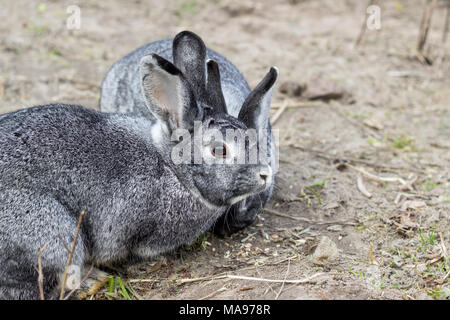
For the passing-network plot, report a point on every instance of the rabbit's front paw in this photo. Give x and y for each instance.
(234, 221)
(96, 280)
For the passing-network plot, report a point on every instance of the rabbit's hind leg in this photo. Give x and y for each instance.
(28, 224)
(18, 276)
(19, 272)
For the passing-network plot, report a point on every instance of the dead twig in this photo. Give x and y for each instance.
(238, 277)
(362, 31)
(402, 195)
(40, 274)
(446, 23)
(184, 281)
(280, 111)
(407, 74)
(280, 214)
(284, 281)
(362, 187)
(145, 280)
(222, 275)
(377, 178)
(446, 276)
(346, 159)
(371, 252)
(305, 280)
(214, 293)
(405, 185)
(298, 104)
(424, 28)
(69, 259)
(64, 243)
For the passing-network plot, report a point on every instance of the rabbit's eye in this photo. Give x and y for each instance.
(219, 151)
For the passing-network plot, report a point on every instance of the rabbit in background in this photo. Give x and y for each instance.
(58, 160)
(121, 93)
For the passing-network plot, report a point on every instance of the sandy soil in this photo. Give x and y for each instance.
(393, 121)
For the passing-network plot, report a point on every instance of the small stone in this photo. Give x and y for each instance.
(236, 9)
(292, 89)
(322, 88)
(326, 252)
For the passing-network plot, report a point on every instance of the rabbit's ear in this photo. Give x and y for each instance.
(167, 93)
(189, 55)
(214, 89)
(255, 110)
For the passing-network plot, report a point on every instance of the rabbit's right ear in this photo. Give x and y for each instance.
(167, 93)
(214, 88)
(189, 54)
(256, 108)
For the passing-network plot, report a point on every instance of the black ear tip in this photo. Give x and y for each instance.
(212, 64)
(152, 59)
(156, 60)
(186, 35)
(270, 78)
(274, 71)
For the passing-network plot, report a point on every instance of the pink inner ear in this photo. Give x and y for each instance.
(161, 93)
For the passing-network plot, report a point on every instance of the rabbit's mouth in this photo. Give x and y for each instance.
(246, 195)
(240, 198)
(264, 184)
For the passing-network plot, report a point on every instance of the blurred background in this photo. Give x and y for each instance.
(363, 84)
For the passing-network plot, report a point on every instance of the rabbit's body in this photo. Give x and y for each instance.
(121, 92)
(58, 160)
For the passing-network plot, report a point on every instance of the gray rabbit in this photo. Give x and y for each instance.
(58, 160)
(122, 93)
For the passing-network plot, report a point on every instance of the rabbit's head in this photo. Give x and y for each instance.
(219, 157)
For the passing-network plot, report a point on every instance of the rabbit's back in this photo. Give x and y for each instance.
(121, 88)
(64, 143)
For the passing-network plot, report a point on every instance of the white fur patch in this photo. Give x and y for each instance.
(159, 133)
(146, 252)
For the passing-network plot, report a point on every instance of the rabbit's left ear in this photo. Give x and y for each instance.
(255, 110)
(189, 55)
(167, 93)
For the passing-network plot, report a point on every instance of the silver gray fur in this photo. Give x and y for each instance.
(57, 160)
(121, 92)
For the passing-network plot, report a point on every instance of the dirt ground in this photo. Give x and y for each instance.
(392, 121)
